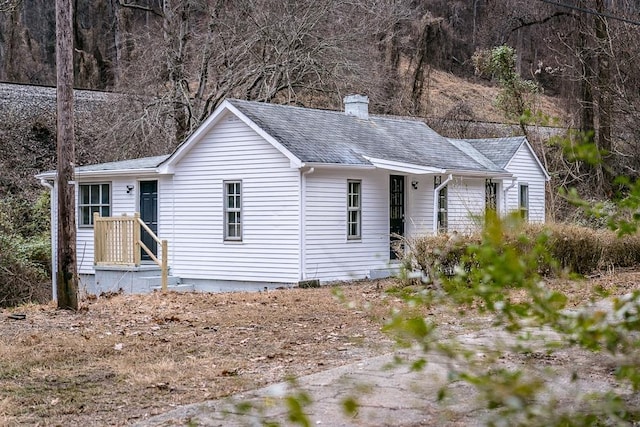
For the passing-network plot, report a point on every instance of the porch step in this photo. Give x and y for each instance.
(382, 273)
(180, 287)
(132, 280)
(149, 283)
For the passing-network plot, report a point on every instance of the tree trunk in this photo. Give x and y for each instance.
(176, 35)
(67, 280)
(587, 116)
(604, 93)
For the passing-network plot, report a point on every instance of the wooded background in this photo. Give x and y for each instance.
(153, 70)
(177, 60)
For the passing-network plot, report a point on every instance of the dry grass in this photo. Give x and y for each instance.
(127, 357)
(446, 92)
(124, 358)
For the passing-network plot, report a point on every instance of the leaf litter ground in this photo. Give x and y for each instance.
(123, 358)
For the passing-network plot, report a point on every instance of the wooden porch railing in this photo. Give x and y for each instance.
(117, 241)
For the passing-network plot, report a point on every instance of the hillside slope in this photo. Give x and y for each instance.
(452, 97)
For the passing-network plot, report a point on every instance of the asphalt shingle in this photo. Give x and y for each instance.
(141, 163)
(499, 150)
(333, 137)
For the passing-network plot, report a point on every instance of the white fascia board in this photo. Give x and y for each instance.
(404, 167)
(526, 143)
(50, 175)
(103, 173)
(168, 165)
(318, 165)
(124, 172)
(479, 174)
(295, 161)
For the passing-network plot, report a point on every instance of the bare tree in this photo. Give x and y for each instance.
(9, 5)
(252, 49)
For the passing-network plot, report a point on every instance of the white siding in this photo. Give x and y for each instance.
(328, 253)
(466, 200)
(121, 203)
(526, 170)
(269, 251)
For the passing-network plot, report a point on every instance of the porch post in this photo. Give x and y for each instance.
(136, 239)
(164, 268)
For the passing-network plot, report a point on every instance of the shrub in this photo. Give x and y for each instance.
(24, 259)
(575, 249)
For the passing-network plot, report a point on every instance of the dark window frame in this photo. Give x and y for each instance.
(491, 189)
(354, 209)
(523, 200)
(89, 202)
(443, 205)
(232, 202)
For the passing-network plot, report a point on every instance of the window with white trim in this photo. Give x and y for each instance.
(93, 198)
(523, 201)
(354, 209)
(233, 210)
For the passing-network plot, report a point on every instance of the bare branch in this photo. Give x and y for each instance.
(123, 3)
(9, 5)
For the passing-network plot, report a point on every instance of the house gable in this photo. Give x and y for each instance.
(265, 245)
(525, 145)
(502, 151)
(223, 112)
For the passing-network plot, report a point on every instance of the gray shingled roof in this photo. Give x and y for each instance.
(499, 150)
(333, 137)
(142, 163)
(322, 136)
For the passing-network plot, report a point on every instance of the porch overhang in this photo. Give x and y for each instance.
(404, 167)
(480, 174)
(138, 173)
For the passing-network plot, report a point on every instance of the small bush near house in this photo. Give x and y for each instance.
(574, 249)
(24, 252)
(499, 273)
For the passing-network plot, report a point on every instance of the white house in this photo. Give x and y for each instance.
(272, 195)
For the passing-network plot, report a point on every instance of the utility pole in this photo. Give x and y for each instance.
(67, 277)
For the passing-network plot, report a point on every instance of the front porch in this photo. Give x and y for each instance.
(119, 243)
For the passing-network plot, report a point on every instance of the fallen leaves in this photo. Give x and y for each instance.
(161, 350)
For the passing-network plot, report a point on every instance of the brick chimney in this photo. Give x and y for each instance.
(357, 105)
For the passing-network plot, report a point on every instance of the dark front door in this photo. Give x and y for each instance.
(149, 214)
(396, 211)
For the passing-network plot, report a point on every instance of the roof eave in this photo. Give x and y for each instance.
(480, 174)
(404, 167)
(52, 175)
(322, 165)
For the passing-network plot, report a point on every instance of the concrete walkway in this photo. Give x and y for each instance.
(388, 395)
(391, 394)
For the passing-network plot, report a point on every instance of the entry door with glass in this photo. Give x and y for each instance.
(149, 214)
(396, 212)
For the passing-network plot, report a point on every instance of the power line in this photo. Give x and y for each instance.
(592, 12)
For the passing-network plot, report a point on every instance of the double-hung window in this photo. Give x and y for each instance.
(93, 198)
(523, 201)
(233, 210)
(354, 209)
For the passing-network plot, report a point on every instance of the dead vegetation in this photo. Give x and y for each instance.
(123, 358)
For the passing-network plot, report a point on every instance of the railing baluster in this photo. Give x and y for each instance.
(117, 241)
